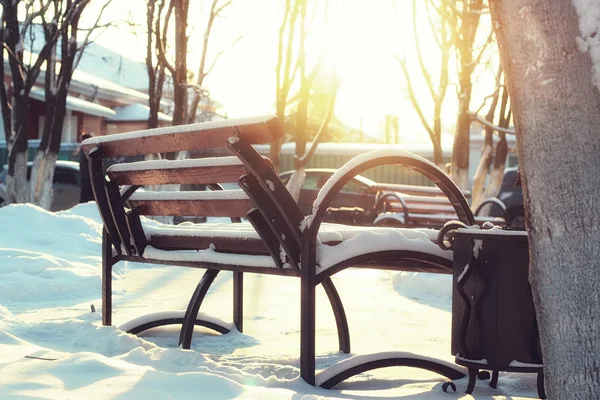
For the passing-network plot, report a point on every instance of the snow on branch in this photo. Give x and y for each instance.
(484, 122)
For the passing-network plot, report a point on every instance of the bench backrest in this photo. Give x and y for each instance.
(263, 198)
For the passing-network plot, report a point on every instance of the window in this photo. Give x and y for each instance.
(66, 177)
(311, 182)
(353, 186)
(69, 131)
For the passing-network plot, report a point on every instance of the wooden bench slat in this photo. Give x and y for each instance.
(422, 208)
(432, 220)
(411, 189)
(443, 218)
(258, 130)
(226, 203)
(426, 200)
(193, 171)
(193, 175)
(196, 208)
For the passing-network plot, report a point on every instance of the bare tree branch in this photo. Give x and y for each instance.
(432, 25)
(222, 7)
(494, 95)
(424, 70)
(484, 47)
(90, 30)
(21, 64)
(415, 102)
(215, 11)
(323, 128)
(482, 121)
(221, 52)
(161, 36)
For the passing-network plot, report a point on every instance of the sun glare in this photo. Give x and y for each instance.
(361, 41)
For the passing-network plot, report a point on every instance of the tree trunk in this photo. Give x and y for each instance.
(43, 171)
(296, 181)
(438, 154)
(460, 150)
(275, 148)
(16, 190)
(16, 180)
(497, 173)
(180, 78)
(477, 193)
(556, 106)
(56, 87)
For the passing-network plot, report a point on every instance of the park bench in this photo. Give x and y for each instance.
(422, 206)
(268, 233)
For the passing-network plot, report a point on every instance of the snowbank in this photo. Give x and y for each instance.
(53, 346)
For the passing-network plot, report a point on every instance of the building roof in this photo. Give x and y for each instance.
(136, 112)
(107, 64)
(75, 104)
(92, 86)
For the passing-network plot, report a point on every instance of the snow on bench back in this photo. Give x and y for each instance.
(254, 130)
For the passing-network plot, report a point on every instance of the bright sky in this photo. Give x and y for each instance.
(364, 39)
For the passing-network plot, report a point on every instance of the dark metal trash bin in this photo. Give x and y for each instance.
(493, 317)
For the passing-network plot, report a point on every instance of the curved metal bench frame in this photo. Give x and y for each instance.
(384, 197)
(406, 361)
(495, 201)
(309, 241)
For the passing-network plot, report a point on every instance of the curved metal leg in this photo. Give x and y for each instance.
(175, 320)
(494, 381)
(472, 377)
(340, 315)
(540, 385)
(187, 330)
(401, 361)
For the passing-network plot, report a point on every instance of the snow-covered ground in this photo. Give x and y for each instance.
(53, 346)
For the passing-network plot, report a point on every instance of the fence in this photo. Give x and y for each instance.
(328, 155)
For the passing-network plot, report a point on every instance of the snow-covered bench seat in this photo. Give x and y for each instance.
(210, 242)
(275, 237)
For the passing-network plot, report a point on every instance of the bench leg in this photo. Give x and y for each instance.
(540, 385)
(307, 329)
(472, 377)
(340, 315)
(107, 263)
(187, 330)
(238, 300)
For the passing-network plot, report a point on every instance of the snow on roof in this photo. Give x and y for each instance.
(105, 63)
(108, 88)
(136, 112)
(75, 104)
(90, 85)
